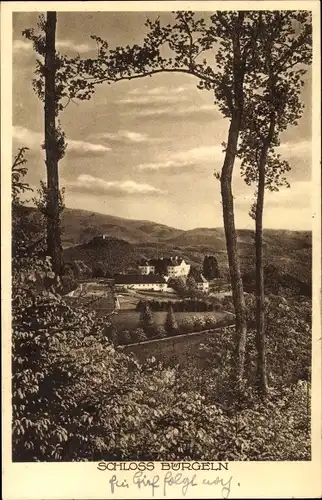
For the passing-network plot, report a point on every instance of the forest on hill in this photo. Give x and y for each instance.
(287, 259)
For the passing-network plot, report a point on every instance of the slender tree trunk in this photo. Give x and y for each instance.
(228, 199)
(52, 209)
(260, 292)
(260, 289)
(231, 244)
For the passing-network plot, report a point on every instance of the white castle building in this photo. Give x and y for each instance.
(170, 267)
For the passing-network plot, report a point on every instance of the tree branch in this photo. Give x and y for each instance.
(188, 32)
(186, 71)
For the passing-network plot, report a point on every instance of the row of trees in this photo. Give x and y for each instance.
(148, 328)
(253, 62)
(185, 305)
(147, 320)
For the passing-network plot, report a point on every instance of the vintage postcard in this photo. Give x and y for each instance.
(161, 250)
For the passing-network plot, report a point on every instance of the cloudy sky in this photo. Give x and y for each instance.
(147, 149)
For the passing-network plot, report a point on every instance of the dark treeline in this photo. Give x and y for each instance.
(186, 305)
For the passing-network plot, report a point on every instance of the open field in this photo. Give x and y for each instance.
(129, 320)
(129, 300)
(100, 297)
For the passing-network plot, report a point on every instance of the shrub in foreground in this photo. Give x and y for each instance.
(138, 335)
(199, 323)
(210, 322)
(186, 326)
(171, 325)
(159, 332)
(147, 322)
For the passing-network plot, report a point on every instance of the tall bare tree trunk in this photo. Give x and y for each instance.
(228, 201)
(260, 291)
(260, 286)
(52, 209)
(231, 244)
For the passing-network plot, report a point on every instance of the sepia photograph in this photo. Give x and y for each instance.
(161, 238)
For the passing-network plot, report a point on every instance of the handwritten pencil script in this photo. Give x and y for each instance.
(154, 484)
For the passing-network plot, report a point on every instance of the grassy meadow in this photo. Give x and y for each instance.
(130, 319)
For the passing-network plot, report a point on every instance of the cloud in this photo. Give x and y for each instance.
(290, 208)
(155, 109)
(125, 136)
(34, 140)
(196, 158)
(26, 45)
(298, 148)
(21, 45)
(174, 166)
(189, 159)
(83, 147)
(97, 186)
(202, 154)
(298, 195)
(27, 137)
(153, 99)
(154, 91)
(134, 136)
(73, 46)
(164, 101)
(167, 102)
(299, 156)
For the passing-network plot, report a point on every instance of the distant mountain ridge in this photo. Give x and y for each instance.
(81, 226)
(289, 252)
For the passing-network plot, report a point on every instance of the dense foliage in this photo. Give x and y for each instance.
(210, 267)
(103, 255)
(171, 325)
(197, 323)
(147, 320)
(280, 282)
(188, 305)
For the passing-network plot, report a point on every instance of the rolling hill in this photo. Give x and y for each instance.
(80, 226)
(289, 252)
(112, 255)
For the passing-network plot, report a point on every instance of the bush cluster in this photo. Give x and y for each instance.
(171, 327)
(288, 337)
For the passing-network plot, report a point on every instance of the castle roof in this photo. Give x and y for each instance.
(165, 261)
